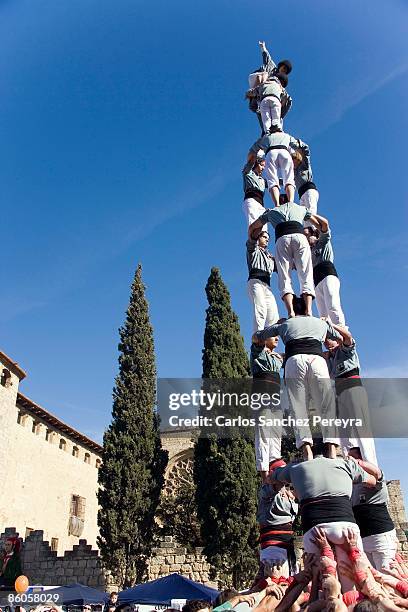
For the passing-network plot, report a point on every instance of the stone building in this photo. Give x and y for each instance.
(49, 469)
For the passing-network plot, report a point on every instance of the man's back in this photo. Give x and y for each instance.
(322, 477)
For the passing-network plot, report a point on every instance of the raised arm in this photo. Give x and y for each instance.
(268, 332)
(345, 334)
(249, 165)
(267, 61)
(256, 225)
(320, 222)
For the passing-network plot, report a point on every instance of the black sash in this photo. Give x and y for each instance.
(255, 195)
(270, 96)
(314, 511)
(274, 147)
(323, 269)
(348, 380)
(261, 275)
(303, 346)
(288, 227)
(269, 377)
(305, 187)
(372, 519)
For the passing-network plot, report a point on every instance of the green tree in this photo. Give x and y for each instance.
(178, 515)
(224, 467)
(132, 473)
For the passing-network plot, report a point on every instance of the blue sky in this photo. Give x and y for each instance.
(123, 130)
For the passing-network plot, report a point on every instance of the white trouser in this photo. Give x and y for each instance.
(352, 403)
(294, 249)
(270, 109)
(381, 549)
(268, 440)
(279, 164)
(328, 299)
(335, 535)
(310, 199)
(252, 211)
(264, 303)
(275, 555)
(307, 377)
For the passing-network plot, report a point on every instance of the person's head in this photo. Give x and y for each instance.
(113, 597)
(125, 607)
(355, 452)
(283, 79)
(297, 157)
(196, 605)
(283, 199)
(272, 343)
(365, 606)
(224, 596)
(263, 239)
(312, 235)
(330, 344)
(285, 67)
(299, 305)
(318, 448)
(272, 568)
(12, 544)
(259, 165)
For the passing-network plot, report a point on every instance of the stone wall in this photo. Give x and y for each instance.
(41, 565)
(83, 564)
(397, 511)
(171, 558)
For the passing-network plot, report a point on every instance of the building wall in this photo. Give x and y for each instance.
(39, 478)
(8, 448)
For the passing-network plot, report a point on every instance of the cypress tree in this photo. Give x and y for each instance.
(224, 467)
(132, 473)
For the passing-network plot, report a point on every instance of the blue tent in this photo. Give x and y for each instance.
(77, 595)
(163, 590)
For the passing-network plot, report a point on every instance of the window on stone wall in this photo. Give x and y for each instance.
(75, 451)
(22, 419)
(98, 463)
(78, 504)
(36, 428)
(87, 458)
(77, 515)
(6, 379)
(63, 444)
(54, 544)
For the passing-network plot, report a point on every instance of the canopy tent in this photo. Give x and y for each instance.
(163, 590)
(78, 595)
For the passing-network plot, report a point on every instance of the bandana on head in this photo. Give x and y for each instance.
(275, 464)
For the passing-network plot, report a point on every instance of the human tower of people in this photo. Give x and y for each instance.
(339, 490)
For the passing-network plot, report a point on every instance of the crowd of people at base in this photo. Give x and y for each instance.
(338, 490)
(318, 585)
